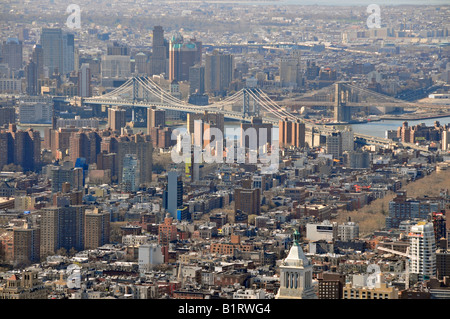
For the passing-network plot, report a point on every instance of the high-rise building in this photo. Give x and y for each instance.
(402, 208)
(31, 74)
(219, 68)
(261, 129)
(290, 72)
(117, 48)
(26, 245)
(445, 140)
(141, 63)
(97, 228)
(214, 119)
(182, 55)
(116, 66)
(62, 227)
(58, 50)
(31, 112)
(130, 173)
(58, 140)
(84, 81)
(84, 144)
(197, 79)
(12, 53)
(7, 115)
(68, 46)
(248, 201)
(61, 175)
(159, 54)
(296, 274)
(21, 148)
(141, 146)
(173, 196)
(422, 250)
(37, 56)
(116, 119)
(291, 133)
(155, 118)
(334, 144)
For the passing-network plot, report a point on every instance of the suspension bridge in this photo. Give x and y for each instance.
(140, 93)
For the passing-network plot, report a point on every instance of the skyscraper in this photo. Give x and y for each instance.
(37, 56)
(159, 55)
(31, 74)
(20, 148)
(197, 79)
(130, 173)
(142, 147)
(12, 53)
(218, 72)
(84, 81)
(174, 193)
(422, 250)
(58, 50)
(182, 55)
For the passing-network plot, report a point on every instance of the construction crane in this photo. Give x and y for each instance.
(407, 255)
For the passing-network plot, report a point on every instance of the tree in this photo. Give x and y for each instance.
(12, 168)
(62, 251)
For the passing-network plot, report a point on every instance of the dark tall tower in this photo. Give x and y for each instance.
(218, 72)
(197, 79)
(51, 41)
(31, 73)
(12, 53)
(182, 55)
(58, 50)
(159, 55)
(38, 57)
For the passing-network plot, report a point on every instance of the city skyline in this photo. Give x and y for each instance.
(239, 152)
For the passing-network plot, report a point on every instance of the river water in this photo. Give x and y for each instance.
(379, 128)
(376, 128)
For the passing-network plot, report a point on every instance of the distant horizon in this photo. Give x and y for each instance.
(325, 2)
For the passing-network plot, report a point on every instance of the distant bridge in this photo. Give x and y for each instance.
(140, 93)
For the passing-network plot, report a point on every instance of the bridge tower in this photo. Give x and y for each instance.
(250, 107)
(138, 114)
(135, 93)
(342, 95)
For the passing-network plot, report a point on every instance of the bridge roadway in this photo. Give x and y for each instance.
(239, 116)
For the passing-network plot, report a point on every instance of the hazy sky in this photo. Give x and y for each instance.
(360, 2)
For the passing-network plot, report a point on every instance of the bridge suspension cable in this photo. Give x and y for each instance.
(269, 100)
(162, 94)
